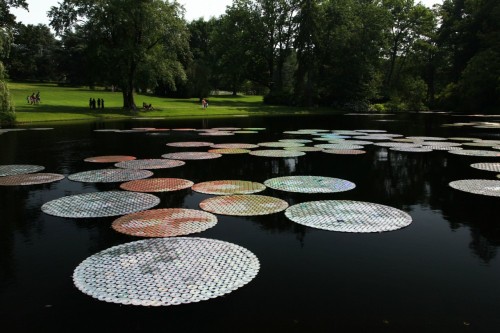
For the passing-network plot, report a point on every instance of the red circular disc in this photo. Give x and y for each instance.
(109, 159)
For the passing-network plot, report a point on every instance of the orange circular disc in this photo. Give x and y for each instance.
(167, 222)
(157, 185)
(109, 159)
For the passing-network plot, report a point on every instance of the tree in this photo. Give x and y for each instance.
(130, 43)
(7, 20)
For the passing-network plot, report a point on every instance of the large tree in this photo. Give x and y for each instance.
(131, 43)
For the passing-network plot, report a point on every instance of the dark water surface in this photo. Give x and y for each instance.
(440, 274)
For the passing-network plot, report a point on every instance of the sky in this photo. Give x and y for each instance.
(194, 9)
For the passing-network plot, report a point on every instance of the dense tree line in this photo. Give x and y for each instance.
(352, 54)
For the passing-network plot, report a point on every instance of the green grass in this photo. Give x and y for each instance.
(72, 103)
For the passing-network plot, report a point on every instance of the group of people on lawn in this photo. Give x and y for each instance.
(100, 103)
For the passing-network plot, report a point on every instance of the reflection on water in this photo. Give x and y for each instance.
(434, 275)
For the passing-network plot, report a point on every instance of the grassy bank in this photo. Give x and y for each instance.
(70, 103)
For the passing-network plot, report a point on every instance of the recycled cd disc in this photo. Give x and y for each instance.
(338, 146)
(254, 129)
(370, 131)
(479, 144)
(373, 137)
(100, 204)
(427, 138)
(243, 205)
(442, 147)
(109, 175)
(277, 153)
(329, 139)
(478, 186)
(166, 271)
(30, 179)
(245, 132)
(229, 151)
(304, 149)
(332, 136)
(190, 144)
(167, 222)
(479, 153)
(495, 167)
(348, 216)
(280, 144)
(183, 129)
(344, 151)
(397, 145)
(296, 132)
(148, 164)
(462, 139)
(109, 159)
(226, 128)
(345, 132)
(412, 149)
(313, 130)
(358, 142)
(228, 187)
(157, 185)
(440, 143)
(19, 169)
(309, 184)
(296, 140)
(191, 156)
(219, 133)
(234, 146)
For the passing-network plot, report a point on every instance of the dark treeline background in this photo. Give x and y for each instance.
(359, 55)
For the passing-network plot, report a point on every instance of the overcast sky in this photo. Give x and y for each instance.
(194, 9)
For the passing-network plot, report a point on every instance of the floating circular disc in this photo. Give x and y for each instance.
(495, 167)
(228, 187)
(332, 137)
(226, 129)
(330, 140)
(339, 146)
(397, 145)
(109, 175)
(478, 186)
(478, 144)
(19, 169)
(370, 131)
(147, 164)
(280, 144)
(168, 222)
(253, 129)
(229, 151)
(30, 179)
(479, 153)
(344, 151)
(234, 146)
(426, 138)
(190, 144)
(304, 149)
(191, 156)
(245, 132)
(461, 139)
(41, 128)
(157, 185)
(243, 205)
(442, 147)
(309, 184)
(296, 132)
(109, 159)
(105, 130)
(346, 132)
(100, 204)
(277, 153)
(166, 271)
(183, 129)
(296, 140)
(348, 216)
(358, 142)
(440, 144)
(412, 149)
(217, 133)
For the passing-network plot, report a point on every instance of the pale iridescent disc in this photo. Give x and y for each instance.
(443, 147)
(30, 179)
(348, 216)
(19, 169)
(304, 149)
(462, 139)
(339, 146)
(109, 175)
(229, 151)
(167, 222)
(478, 153)
(280, 144)
(190, 144)
(358, 142)
(495, 167)
(478, 186)
(277, 153)
(370, 131)
(166, 271)
(234, 146)
(440, 144)
(478, 144)
(228, 187)
(109, 159)
(254, 129)
(344, 151)
(243, 205)
(217, 133)
(226, 129)
(397, 145)
(309, 184)
(157, 185)
(148, 164)
(296, 140)
(245, 132)
(100, 204)
(427, 138)
(191, 156)
(412, 149)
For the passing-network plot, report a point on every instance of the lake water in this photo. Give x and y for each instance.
(439, 274)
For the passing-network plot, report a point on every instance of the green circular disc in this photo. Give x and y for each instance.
(228, 187)
(277, 153)
(309, 184)
(243, 205)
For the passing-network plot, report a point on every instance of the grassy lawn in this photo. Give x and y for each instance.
(72, 103)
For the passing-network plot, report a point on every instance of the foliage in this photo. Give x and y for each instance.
(129, 43)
